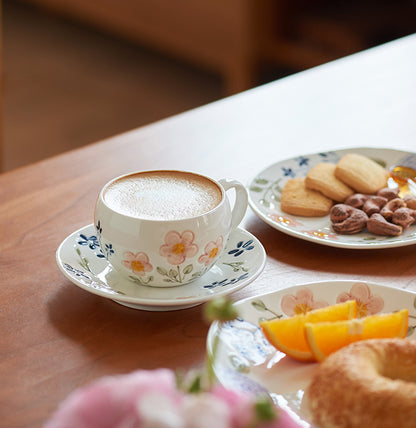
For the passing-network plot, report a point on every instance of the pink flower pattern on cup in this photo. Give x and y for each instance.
(367, 303)
(301, 302)
(211, 251)
(138, 263)
(178, 247)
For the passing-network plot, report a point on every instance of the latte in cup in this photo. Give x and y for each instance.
(163, 195)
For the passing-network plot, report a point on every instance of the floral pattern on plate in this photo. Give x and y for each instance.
(245, 358)
(303, 300)
(82, 261)
(266, 187)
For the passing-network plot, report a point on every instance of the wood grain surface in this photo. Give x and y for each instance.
(55, 337)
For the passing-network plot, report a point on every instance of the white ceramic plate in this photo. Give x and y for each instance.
(264, 198)
(246, 361)
(81, 260)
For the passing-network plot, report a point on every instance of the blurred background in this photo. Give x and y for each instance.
(77, 71)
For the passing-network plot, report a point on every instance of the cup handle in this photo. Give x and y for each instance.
(241, 200)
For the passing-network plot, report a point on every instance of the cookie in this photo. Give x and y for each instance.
(322, 178)
(361, 173)
(298, 200)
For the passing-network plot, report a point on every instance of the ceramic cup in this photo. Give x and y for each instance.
(166, 228)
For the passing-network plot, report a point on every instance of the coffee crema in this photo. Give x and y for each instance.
(162, 195)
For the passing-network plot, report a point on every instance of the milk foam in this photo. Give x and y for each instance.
(162, 195)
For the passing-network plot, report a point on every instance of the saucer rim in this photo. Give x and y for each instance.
(159, 304)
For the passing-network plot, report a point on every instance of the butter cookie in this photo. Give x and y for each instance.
(297, 199)
(322, 178)
(361, 173)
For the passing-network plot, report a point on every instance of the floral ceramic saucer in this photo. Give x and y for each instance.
(246, 361)
(81, 260)
(266, 187)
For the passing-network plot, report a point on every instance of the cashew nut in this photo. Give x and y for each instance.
(388, 193)
(378, 225)
(391, 206)
(404, 217)
(357, 200)
(347, 219)
(374, 204)
(410, 201)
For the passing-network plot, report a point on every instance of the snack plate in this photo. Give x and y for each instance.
(246, 361)
(81, 260)
(264, 198)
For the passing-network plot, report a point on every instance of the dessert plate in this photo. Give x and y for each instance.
(264, 198)
(247, 362)
(81, 260)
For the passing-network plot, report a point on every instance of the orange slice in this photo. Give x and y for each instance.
(288, 334)
(324, 338)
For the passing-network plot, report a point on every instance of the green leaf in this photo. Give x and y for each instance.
(259, 305)
(265, 410)
(135, 279)
(220, 309)
(195, 385)
(188, 269)
(256, 189)
(262, 181)
(161, 270)
(173, 274)
(147, 281)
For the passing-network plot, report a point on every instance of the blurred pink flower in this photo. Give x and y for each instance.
(138, 263)
(367, 304)
(111, 402)
(178, 247)
(301, 302)
(212, 250)
(151, 399)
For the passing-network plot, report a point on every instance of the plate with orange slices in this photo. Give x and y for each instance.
(277, 341)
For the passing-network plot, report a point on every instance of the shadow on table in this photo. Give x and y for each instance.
(116, 336)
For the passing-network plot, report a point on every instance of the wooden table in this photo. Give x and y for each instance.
(55, 337)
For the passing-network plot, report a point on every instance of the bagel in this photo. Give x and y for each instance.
(370, 383)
